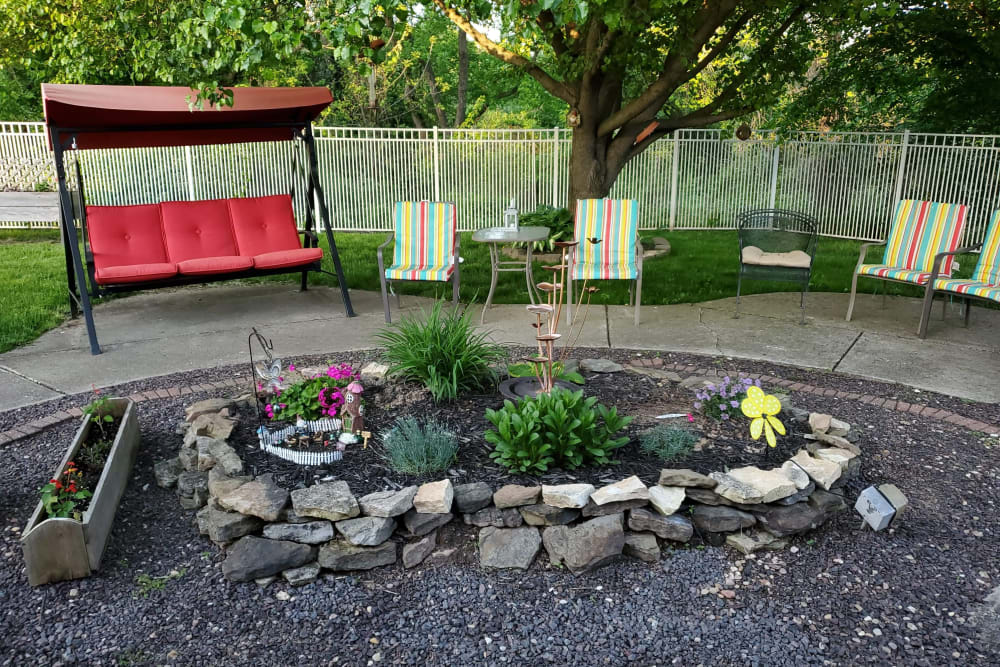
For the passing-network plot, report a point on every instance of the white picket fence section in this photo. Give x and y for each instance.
(696, 179)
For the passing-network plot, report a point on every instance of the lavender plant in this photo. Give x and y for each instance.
(722, 401)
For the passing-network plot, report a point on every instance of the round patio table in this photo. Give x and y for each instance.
(497, 237)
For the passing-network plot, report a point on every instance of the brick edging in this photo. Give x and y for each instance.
(33, 427)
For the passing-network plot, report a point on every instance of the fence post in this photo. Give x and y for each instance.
(675, 159)
(437, 167)
(900, 172)
(774, 175)
(555, 167)
(190, 172)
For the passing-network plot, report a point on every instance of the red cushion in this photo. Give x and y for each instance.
(124, 235)
(204, 266)
(195, 229)
(283, 258)
(264, 224)
(133, 273)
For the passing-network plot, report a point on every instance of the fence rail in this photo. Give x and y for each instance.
(697, 179)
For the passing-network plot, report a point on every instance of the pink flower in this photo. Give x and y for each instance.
(291, 367)
(355, 388)
(690, 418)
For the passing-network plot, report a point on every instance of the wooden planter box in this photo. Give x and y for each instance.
(58, 549)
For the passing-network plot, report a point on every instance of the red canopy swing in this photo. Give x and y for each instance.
(147, 246)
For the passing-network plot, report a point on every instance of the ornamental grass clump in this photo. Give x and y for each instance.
(668, 443)
(441, 350)
(722, 401)
(413, 448)
(556, 429)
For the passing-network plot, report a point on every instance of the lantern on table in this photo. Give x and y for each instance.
(510, 217)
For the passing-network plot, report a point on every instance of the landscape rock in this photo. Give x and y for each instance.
(828, 503)
(586, 546)
(720, 519)
(750, 485)
(630, 488)
(373, 372)
(223, 527)
(498, 518)
(213, 452)
(414, 553)
(166, 472)
(254, 557)
(508, 547)
(472, 497)
(642, 546)
(841, 457)
(303, 575)
(800, 495)
(666, 499)
(313, 532)
(329, 500)
(209, 405)
(823, 472)
(261, 498)
(546, 515)
(192, 488)
(212, 425)
(838, 427)
(188, 458)
(674, 527)
(687, 478)
(798, 476)
(819, 422)
(366, 531)
(388, 503)
(341, 556)
(434, 497)
(600, 366)
(219, 483)
(835, 441)
(513, 495)
(419, 523)
(785, 520)
(747, 544)
(592, 509)
(798, 415)
(567, 495)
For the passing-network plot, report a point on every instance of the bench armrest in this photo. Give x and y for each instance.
(310, 235)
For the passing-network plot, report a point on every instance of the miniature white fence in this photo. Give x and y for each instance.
(697, 179)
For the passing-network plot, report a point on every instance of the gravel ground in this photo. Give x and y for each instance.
(839, 596)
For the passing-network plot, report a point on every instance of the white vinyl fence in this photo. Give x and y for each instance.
(696, 179)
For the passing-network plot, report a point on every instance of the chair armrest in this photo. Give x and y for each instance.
(638, 252)
(864, 251)
(381, 264)
(939, 258)
(310, 234)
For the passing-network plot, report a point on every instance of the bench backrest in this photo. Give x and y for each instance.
(196, 229)
(922, 229)
(988, 268)
(123, 235)
(264, 224)
(615, 224)
(425, 234)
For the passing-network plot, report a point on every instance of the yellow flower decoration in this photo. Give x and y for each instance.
(762, 408)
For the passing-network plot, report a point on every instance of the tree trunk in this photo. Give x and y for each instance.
(589, 177)
(463, 78)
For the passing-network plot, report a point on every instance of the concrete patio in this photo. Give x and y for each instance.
(171, 331)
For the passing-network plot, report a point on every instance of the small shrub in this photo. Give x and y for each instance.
(442, 351)
(527, 370)
(668, 443)
(558, 220)
(561, 428)
(722, 401)
(414, 449)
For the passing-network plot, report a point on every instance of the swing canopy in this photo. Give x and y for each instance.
(149, 116)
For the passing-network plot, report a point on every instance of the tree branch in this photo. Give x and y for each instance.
(547, 81)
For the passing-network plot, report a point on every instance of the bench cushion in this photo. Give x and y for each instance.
(196, 229)
(284, 258)
(133, 273)
(794, 259)
(205, 266)
(264, 224)
(125, 235)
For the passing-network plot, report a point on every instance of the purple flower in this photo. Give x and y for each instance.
(726, 379)
(723, 407)
(697, 405)
(735, 404)
(701, 396)
(756, 383)
(724, 416)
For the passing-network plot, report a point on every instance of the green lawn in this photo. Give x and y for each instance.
(701, 266)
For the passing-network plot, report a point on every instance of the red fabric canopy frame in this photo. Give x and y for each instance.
(146, 116)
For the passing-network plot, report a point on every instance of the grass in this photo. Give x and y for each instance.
(701, 266)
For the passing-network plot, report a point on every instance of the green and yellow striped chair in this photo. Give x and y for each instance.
(426, 247)
(608, 248)
(984, 283)
(921, 230)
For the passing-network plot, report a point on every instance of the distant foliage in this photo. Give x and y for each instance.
(668, 443)
(415, 449)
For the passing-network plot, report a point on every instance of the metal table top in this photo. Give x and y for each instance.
(503, 235)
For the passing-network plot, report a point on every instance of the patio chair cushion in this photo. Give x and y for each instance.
(894, 273)
(124, 236)
(197, 229)
(614, 224)
(970, 287)
(921, 230)
(134, 273)
(988, 267)
(285, 258)
(794, 259)
(205, 266)
(264, 224)
(425, 241)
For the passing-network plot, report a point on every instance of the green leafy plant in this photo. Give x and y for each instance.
(561, 428)
(315, 397)
(668, 442)
(146, 584)
(415, 449)
(525, 369)
(558, 220)
(441, 350)
(99, 411)
(63, 496)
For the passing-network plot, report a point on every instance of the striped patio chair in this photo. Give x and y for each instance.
(984, 283)
(608, 248)
(920, 231)
(426, 247)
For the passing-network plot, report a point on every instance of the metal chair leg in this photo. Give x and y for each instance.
(854, 294)
(968, 311)
(638, 297)
(802, 304)
(305, 282)
(925, 312)
(739, 285)
(944, 308)
(385, 299)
